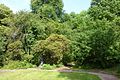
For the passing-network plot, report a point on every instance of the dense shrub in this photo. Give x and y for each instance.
(51, 50)
(59, 65)
(18, 65)
(48, 66)
(15, 51)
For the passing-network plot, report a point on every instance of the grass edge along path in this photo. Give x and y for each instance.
(37, 74)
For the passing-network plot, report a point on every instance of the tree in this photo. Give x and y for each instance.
(105, 38)
(102, 43)
(15, 51)
(47, 8)
(5, 34)
(5, 15)
(5, 30)
(108, 9)
(51, 49)
(23, 30)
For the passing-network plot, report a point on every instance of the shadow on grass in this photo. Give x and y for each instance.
(77, 76)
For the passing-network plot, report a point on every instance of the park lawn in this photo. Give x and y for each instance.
(45, 75)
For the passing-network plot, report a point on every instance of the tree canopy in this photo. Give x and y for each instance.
(48, 34)
(47, 8)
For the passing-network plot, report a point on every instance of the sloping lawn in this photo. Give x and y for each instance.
(45, 75)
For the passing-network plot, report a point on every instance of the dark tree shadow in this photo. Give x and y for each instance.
(77, 76)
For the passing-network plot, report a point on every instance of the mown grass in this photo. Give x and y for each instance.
(45, 75)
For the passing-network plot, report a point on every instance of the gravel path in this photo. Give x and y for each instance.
(103, 76)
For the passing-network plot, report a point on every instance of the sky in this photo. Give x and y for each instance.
(69, 5)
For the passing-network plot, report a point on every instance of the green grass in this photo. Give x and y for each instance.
(45, 75)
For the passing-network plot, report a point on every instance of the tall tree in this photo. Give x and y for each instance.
(5, 30)
(108, 9)
(47, 8)
(105, 16)
(5, 15)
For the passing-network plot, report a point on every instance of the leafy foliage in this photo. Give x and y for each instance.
(101, 9)
(48, 66)
(51, 49)
(15, 51)
(47, 34)
(18, 65)
(45, 8)
(5, 15)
